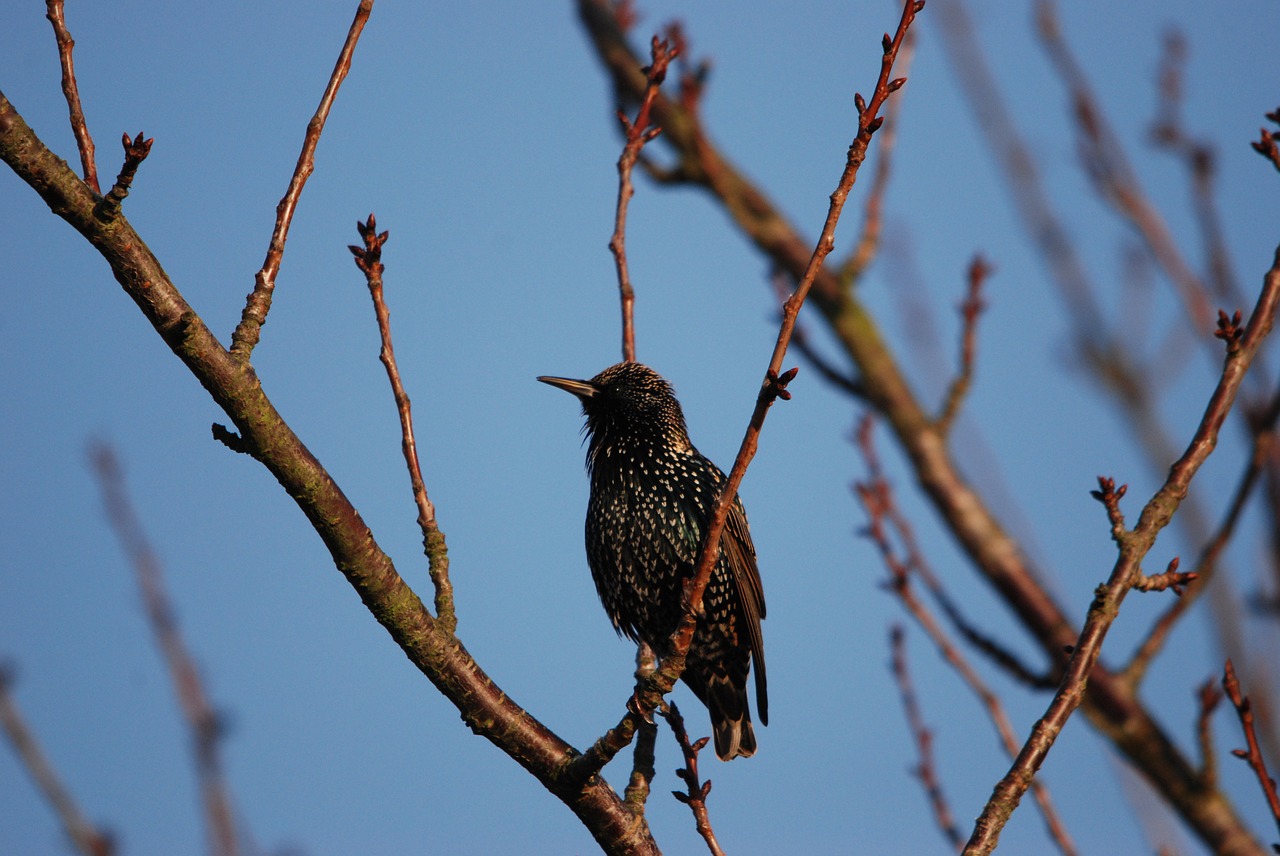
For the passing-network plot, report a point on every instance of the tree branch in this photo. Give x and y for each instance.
(1112, 705)
(369, 260)
(234, 386)
(1242, 346)
(1253, 755)
(249, 330)
(696, 791)
(924, 770)
(84, 836)
(71, 91)
(637, 133)
(203, 721)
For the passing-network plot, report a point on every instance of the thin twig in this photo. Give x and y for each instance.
(202, 718)
(1108, 167)
(369, 260)
(648, 695)
(84, 836)
(71, 90)
(1242, 346)
(1253, 756)
(970, 309)
(1172, 578)
(1198, 156)
(782, 287)
(249, 330)
(1265, 145)
(775, 380)
(924, 770)
(877, 499)
(1210, 697)
(868, 243)
(135, 152)
(637, 133)
(695, 795)
(883, 514)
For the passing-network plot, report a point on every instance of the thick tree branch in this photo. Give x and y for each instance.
(234, 386)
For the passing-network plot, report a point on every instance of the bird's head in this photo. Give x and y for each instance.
(628, 403)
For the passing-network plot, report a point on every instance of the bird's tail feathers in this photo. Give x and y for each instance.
(730, 717)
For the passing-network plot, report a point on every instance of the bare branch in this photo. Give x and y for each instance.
(883, 514)
(970, 309)
(249, 330)
(637, 133)
(235, 387)
(775, 381)
(203, 721)
(71, 91)
(1133, 547)
(868, 243)
(648, 695)
(1210, 697)
(1253, 756)
(1266, 142)
(369, 260)
(135, 152)
(924, 770)
(1107, 166)
(695, 797)
(84, 836)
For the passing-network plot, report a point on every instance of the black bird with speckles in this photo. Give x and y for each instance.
(651, 498)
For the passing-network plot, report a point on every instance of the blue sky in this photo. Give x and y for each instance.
(481, 135)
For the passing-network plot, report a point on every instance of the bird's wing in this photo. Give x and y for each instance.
(741, 553)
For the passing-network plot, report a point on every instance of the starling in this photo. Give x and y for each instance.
(651, 499)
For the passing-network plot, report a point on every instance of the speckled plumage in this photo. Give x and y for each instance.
(651, 497)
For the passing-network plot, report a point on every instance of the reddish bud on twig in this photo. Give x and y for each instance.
(1266, 144)
(777, 384)
(135, 152)
(1229, 330)
(1108, 491)
(368, 257)
(859, 102)
(1110, 495)
(896, 83)
(1170, 579)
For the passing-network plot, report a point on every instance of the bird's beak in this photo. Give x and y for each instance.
(581, 388)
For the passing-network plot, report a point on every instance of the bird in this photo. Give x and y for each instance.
(652, 495)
